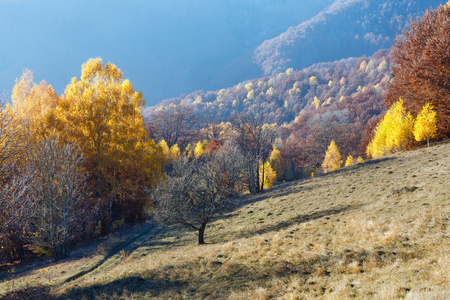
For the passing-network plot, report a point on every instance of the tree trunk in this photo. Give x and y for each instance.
(201, 234)
(262, 177)
(257, 187)
(428, 142)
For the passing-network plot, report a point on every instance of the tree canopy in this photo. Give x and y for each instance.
(421, 69)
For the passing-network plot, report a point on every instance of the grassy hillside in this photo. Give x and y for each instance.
(374, 230)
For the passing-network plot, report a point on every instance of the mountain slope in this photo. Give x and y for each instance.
(376, 230)
(347, 28)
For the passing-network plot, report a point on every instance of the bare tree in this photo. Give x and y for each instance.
(196, 191)
(12, 183)
(174, 124)
(58, 194)
(254, 135)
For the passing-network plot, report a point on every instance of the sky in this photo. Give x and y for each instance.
(165, 47)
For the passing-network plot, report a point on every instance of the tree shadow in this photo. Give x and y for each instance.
(301, 219)
(220, 276)
(124, 287)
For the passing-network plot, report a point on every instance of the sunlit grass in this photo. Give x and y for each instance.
(375, 230)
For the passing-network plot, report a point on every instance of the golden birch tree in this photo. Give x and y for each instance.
(101, 113)
(393, 133)
(425, 125)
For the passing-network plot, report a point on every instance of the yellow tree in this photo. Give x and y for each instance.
(332, 159)
(425, 125)
(393, 133)
(33, 106)
(101, 113)
(277, 162)
(174, 152)
(165, 148)
(267, 175)
(350, 161)
(200, 148)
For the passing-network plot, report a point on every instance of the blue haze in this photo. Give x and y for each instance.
(165, 47)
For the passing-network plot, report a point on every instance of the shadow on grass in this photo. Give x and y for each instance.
(125, 287)
(302, 218)
(35, 293)
(220, 277)
(285, 189)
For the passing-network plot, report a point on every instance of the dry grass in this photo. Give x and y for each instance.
(376, 230)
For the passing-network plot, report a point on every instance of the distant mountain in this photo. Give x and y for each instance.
(347, 28)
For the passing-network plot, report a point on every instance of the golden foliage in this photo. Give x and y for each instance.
(332, 159)
(102, 114)
(267, 175)
(425, 125)
(349, 161)
(313, 80)
(34, 105)
(394, 132)
(199, 149)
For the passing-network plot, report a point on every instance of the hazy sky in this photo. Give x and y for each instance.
(165, 47)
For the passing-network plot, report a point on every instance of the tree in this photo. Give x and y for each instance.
(102, 114)
(57, 192)
(394, 132)
(13, 219)
(425, 125)
(292, 156)
(421, 70)
(270, 176)
(254, 136)
(332, 159)
(200, 189)
(349, 161)
(319, 138)
(33, 106)
(175, 124)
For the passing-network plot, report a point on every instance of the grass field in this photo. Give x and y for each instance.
(376, 230)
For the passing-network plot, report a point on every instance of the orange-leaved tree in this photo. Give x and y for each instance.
(421, 69)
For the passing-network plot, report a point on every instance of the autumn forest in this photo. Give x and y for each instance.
(84, 164)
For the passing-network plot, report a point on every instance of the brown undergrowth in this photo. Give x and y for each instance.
(375, 230)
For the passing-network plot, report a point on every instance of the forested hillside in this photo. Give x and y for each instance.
(346, 28)
(311, 107)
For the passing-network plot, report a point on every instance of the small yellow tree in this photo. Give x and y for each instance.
(359, 160)
(165, 149)
(174, 152)
(332, 159)
(425, 125)
(350, 161)
(200, 148)
(277, 162)
(394, 132)
(267, 175)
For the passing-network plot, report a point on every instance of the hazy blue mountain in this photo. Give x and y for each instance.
(170, 47)
(165, 47)
(347, 28)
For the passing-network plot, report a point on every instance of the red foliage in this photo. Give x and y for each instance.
(421, 70)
